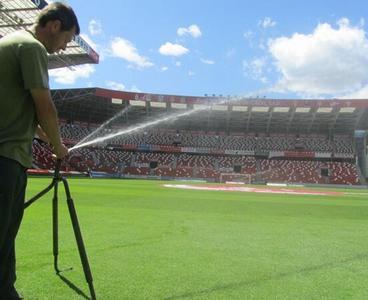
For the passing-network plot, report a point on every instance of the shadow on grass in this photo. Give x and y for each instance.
(143, 242)
(276, 276)
(73, 286)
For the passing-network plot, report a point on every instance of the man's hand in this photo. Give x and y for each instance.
(60, 151)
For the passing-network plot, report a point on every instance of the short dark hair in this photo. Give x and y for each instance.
(61, 12)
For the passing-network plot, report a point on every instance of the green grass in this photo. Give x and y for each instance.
(145, 241)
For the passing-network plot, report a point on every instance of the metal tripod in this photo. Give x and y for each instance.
(73, 216)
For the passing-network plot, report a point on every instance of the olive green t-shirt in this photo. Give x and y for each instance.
(23, 66)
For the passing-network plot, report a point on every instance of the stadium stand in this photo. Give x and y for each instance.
(340, 144)
(200, 166)
(312, 152)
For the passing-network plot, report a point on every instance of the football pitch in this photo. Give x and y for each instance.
(148, 241)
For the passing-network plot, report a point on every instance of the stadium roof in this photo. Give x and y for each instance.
(18, 14)
(95, 105)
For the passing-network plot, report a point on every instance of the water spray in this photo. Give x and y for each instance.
(137, 127)
(95, 132)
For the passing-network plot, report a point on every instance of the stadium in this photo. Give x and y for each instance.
(236, 200)
(242, 140)
(198, 197)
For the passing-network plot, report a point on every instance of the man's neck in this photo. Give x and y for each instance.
(32, 29)
(37, 33)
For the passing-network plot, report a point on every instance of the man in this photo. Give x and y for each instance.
(26, 106)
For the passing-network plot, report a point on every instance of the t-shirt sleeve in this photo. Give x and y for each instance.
(34, 66)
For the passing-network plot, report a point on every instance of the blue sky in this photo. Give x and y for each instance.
(279, 49)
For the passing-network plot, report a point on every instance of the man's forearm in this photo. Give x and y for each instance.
(42, 135)
(47, 115)
(47, 118)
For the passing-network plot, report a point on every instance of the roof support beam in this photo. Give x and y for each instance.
(16, 25)
(269, 119)
(313, 118)
(335, 111)
(208, 123)
(292, 113)
(360, 115)
(249, 116)
(228, 117)
(6, 10)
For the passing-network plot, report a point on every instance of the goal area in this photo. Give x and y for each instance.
(235, 178)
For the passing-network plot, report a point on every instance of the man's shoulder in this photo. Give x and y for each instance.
(22, 37)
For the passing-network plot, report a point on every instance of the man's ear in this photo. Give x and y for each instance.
(55, 26)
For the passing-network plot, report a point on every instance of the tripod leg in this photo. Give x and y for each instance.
(79, 239)
(55, 234)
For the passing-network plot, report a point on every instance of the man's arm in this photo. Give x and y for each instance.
(42, 135)
(48, 120)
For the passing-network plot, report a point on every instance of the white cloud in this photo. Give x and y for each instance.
(71, 75)
(230, 53)
(362, 22)
(267, 22)
(255, 69)
(135, 89)
(118, 86)
(358, 94)
(163, 69)
(192, 30)
(328, 61)
(124, 49)
(191, 73)
(95, 27)
(207, 61)
(178, 63)
(172, 49)
(248, 35)
(262, 44)
(115, 85)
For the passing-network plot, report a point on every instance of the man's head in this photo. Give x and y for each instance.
(56, 26)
